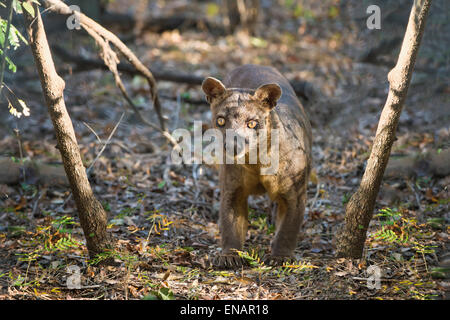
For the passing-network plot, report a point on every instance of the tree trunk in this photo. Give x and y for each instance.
(93, 218)
(241, 13)
(359, 210)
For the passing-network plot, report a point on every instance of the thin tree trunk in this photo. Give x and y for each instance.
(93, 218)
(242, 13)
(359, 210)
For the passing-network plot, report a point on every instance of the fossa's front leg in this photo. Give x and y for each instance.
(233, 220)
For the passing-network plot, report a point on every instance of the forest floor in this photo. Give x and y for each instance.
(163, 217)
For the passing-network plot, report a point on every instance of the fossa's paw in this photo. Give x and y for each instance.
(229, 261)
(276, 261)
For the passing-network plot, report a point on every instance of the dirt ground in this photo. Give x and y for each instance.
(163, 217)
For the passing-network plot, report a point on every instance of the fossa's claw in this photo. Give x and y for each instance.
(228, 261)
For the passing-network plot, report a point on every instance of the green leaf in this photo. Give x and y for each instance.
(165, 294)
(29, 8)
(17, 6)
(161, 184)
(161, 294)
(14, 35)
(150, 296)
(19, 35)
(2, 33)
(11, 66)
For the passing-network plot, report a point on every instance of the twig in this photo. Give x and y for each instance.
(35, 205)
(369, 279)
(88, 170)
(93, 131)
(315, 196)
(416, 195)
(106, 143)
(17, 132)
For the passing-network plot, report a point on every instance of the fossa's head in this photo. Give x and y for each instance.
(241, 115)
(240, 109)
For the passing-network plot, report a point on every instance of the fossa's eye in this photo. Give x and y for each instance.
(252, 124)
(220, 121)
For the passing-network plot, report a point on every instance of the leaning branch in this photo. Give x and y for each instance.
(106, 36)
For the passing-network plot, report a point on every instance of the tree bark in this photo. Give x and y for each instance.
(359, 210)
(93, 218)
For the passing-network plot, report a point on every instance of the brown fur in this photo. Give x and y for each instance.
(246, 96)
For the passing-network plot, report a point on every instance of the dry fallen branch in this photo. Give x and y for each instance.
(161, 24)
(303, 89)
(83, 64)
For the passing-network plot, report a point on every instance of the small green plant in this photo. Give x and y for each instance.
(61, 224)
(188, 273)
(162, 293)
(160, 222)
(261, 223)
(253, 258)
(21, 281)
(399, 230)
(394, 227)
(389, 216)
(106, 206)
(63, 244)
(29, 189)
(294, 268)
(130, 260)
(390, 236)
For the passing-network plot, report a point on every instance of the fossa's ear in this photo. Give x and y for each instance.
(268, 94)
(213, 88)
